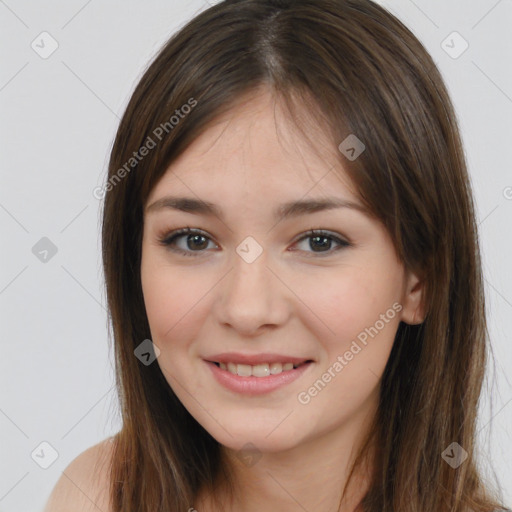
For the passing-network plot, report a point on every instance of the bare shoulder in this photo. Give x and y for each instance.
(84, 483)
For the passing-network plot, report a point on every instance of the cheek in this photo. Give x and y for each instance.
(177, 307)
(350, 300)
(173, 303)
(360, 309)
(362, 312)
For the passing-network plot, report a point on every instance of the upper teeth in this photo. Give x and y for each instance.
(258, 370)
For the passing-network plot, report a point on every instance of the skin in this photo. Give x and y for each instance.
(294, 299)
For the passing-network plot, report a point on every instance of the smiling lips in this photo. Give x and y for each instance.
(255, 374)
(258, 370)
(260, 365)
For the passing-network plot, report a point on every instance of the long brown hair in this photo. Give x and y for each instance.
(358, 70)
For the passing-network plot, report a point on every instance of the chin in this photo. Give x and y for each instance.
(249, 438)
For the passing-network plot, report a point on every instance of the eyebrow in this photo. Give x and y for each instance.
(286, 210)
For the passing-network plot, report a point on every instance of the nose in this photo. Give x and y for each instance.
(251, 299)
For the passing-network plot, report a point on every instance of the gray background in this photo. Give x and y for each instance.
(59, 116)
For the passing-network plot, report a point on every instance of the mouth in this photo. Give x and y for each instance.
(256, 374)
(259, 370)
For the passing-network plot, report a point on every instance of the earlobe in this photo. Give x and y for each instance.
(413, 312)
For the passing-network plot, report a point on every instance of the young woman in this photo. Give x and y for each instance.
(293, 274)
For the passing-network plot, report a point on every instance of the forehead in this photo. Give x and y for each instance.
(255, 149)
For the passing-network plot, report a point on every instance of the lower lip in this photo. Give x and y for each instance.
(256, 385)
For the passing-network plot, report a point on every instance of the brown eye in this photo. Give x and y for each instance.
(196, 242)
(322, 242)
(187, 242)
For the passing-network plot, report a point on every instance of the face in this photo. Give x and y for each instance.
(269, 333)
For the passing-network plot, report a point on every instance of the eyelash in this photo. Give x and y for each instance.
(169, 239)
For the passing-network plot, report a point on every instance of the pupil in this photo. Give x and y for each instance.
(194, 238)
(324, 245)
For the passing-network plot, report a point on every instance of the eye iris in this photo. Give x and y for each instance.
(325, 245)
(195, 239)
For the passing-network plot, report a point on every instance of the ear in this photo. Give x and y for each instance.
(413, 311)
